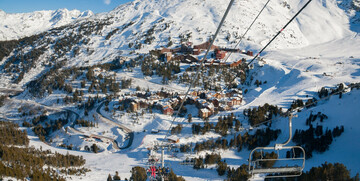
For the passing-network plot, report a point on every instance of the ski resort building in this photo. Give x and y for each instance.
(204, 113)
(168, 110)
(173, 139)
(205, 46)
(219, 54)
(134, 107)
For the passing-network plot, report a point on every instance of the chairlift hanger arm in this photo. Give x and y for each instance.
(279, 146)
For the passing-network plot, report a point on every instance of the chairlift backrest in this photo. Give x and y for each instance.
(284, 171)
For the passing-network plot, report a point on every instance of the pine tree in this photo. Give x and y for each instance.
(138, 174)
(94, 148)
(237, 125)
(173, 177)
(357, 178)
(116, 176)
(198, 163)
(109, 178)
(221, 168)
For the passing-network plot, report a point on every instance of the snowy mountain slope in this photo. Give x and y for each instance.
(18, 25)
(141, 26)
(319, 49)
(340, 112)
(292, 73)
(201, 18)
(352, 9)
(323, 21)
(343, 149)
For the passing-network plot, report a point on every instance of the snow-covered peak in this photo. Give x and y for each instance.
(64, 15)
(18, 25)
(86, 13)
(201, 18)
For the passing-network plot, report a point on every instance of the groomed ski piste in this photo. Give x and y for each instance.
(319, 49)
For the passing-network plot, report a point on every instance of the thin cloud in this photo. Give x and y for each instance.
(107, 2)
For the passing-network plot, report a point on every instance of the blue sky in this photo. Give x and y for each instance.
(23, 6)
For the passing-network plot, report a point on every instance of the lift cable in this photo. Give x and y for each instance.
(280, 31)
(243, 36)
(198, 70)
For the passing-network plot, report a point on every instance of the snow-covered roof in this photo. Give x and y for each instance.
(209, 105)
(205, 110)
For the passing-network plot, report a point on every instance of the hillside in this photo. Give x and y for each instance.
(18, 25)
(104, 87)
(103, 37)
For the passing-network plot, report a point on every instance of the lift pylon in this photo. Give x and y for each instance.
(157, 170)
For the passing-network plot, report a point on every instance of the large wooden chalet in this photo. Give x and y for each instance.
(168, 110)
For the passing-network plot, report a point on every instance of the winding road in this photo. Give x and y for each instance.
(11, 91)
(71, 127)
(124, 128)
(100, 116)
(114, 142)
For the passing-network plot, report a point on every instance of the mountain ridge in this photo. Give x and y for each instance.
(132, 28)
(18, 25)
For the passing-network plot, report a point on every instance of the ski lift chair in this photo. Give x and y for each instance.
(282, 171)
